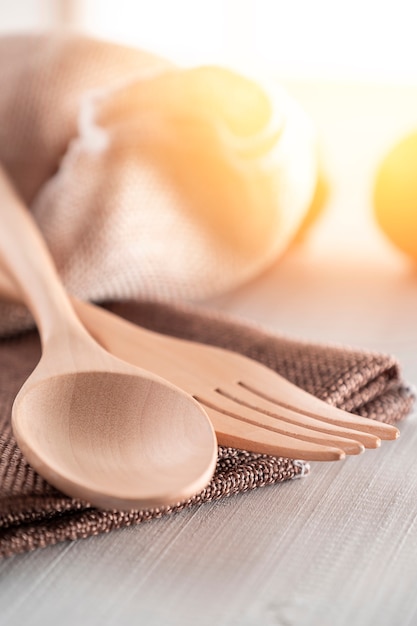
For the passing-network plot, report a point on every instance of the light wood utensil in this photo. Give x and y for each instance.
(94, 426)
(250, 406)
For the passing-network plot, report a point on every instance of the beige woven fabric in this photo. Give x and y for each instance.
(149, 180)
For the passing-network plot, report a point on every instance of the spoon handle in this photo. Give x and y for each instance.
(25, 256)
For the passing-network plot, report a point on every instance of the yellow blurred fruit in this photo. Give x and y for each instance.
(395, 195)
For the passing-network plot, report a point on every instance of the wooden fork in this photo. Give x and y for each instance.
(251, 407)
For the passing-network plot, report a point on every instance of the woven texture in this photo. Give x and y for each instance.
(126, 161)
(33, 514)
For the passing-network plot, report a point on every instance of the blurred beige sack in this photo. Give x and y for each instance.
(147, 180)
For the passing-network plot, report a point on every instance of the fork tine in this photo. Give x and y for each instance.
(265, 383)
(243, 435)
(242, 414)
(242, 396)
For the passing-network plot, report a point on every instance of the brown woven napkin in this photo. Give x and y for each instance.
(33, 514)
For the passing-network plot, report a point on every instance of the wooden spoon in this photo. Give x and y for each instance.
(92, 425)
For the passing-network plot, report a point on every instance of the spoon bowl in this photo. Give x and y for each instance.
(141, 439)
(92, 425)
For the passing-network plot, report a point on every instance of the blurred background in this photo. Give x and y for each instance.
(352, 66)
(360, 40)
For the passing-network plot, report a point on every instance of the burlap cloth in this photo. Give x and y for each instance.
(153, 182)
(149, 180)
(33, 514)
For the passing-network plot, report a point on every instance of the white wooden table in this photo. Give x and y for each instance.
(334, 549)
